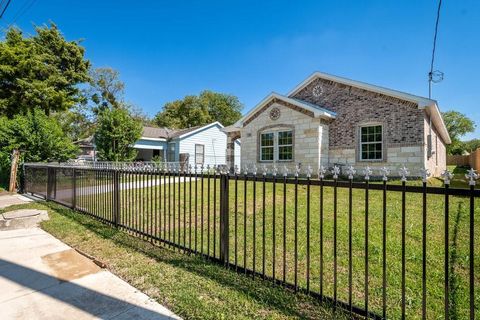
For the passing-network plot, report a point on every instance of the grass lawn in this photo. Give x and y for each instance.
(187, 284)
(143, 209)
(191, 219)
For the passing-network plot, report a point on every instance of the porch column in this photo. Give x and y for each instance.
(230, 152)
(230, 159)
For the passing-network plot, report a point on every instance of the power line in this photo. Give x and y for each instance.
(5, 8)
(26, 6)
(434, 76)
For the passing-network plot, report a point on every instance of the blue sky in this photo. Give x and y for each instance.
(165, 50)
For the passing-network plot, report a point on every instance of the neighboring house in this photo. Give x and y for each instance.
(203, 145)
(328, 120)
(87, 149)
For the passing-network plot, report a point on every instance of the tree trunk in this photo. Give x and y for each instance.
(13, 170)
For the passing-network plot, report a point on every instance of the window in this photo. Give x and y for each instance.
(267, 146)
(285, 145)
(199, 154)
(371, 145)
(276, 146)
(171, 152)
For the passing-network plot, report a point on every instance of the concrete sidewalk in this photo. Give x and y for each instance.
(8, 199)
(43, 278)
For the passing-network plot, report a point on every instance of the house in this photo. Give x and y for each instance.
(329, 120)
(202, 145)
(87, 149)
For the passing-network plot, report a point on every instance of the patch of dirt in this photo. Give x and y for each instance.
(69, 265)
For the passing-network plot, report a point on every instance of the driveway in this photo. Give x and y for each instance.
(43, 278)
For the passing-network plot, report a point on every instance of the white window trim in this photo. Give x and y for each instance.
(276, 145)
(374, 142)
(203, 153)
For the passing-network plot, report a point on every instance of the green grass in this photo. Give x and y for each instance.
(189, 285)
(142, 206)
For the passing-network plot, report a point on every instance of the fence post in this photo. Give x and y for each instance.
(116, 197)
(224, 226)
(74, 188)
(51, 176)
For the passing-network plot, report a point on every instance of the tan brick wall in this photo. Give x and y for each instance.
(403, 121)
(403, 125)
(309, 134)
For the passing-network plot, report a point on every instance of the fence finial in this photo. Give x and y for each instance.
(403, 173)
(424, 173)
(471, 176)
(309, 171)
(285, 170)
(367, 172)
(245, 170)
(236, 169)
(321, 172)
(385, 172)
(254, 169)
(351, 172)
(264, 169)
(335, 172)
(274, 170)
(447, 176)
(297, 169)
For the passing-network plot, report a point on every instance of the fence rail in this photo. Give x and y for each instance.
(378, 250)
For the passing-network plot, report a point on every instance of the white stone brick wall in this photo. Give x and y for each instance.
(309, 133)
(437, 163)
(397, 157)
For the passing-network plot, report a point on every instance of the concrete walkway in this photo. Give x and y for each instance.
(43, 278)
(8, 199)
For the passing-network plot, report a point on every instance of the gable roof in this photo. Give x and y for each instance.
(156, 133)
(421, 101)
(317, 111)
(164, 133)
(430, 105)
(189, 131)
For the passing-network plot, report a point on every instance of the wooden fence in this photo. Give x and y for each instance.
(472, 160)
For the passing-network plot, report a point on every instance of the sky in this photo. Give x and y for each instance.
(165, 50)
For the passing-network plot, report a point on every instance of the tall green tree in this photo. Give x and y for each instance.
(116, 133)
(37, 136)
(457, 125)
(43, 71)
(198, 110)
(106, 89)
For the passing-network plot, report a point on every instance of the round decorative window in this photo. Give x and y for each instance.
(317, 90)
(274, 113)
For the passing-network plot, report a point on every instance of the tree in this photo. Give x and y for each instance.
(37, 136)
(43, 71)
(200, 110)
(457, 125)
(106, 89)
(471, 145)
(115, 134)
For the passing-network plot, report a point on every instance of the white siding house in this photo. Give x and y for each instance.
(206, 145)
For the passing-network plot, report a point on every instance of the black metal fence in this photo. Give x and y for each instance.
(382, 249)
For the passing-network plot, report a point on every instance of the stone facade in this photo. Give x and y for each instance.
(310, 141)
(402, 120)
(405, 130)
